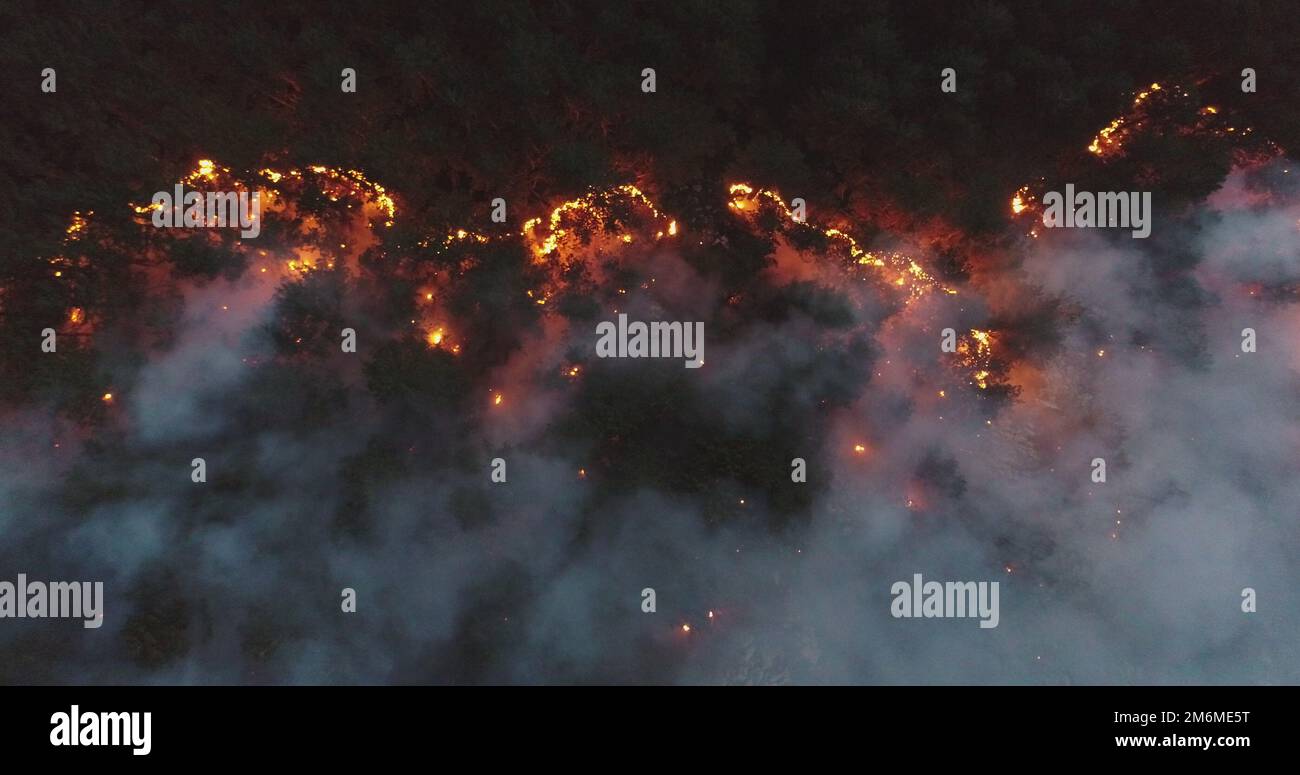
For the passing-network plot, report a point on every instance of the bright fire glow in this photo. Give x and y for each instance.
(899, 270)
(975, 354)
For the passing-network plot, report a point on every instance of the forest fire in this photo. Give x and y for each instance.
(334, 184)
(582, 216)
(568, 232)
(1110, 139)
(1155, 110)
(1021, 201)
(597, 223)
(975, 354)
(899, 270)
(240, 429)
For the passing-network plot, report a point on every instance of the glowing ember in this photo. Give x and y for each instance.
(1106, 139)
(975, 355)
(1021, 201)
(1111, 136)
(78, 225)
